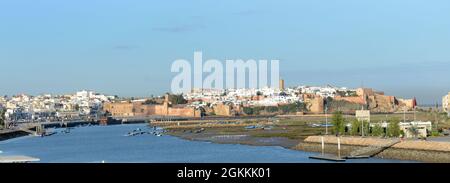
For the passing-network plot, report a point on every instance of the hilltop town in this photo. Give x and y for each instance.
(293, 117)
(266, 101)
(299, 100)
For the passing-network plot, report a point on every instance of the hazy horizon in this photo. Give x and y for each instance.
(126, 48)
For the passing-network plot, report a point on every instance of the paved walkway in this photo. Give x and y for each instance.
(439, 139)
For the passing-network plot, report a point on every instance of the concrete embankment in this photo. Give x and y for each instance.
(424, 151)
(9, 134)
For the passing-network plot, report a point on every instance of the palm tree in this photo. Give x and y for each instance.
(2, 118)
(414, 131)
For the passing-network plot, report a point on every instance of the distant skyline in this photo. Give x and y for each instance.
(127, 47)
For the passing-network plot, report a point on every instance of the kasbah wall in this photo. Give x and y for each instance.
(134, 109)
(376, 101)
(379, 102)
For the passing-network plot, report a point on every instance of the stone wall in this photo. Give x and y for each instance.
(446, 103)
(186, 111)
(381, 103)
(357, 100)
(414, 150)
(133, 109)
(315, 104)
(119, 109)
(223, 110)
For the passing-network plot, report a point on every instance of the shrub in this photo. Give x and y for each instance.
(149, 102)
(377, 130)
(271, 109)
(248, 110)
(2, 118)
(177, 99)
(293, 108)
(435, 133)
(365, 128)
(394, 128)
(356, 125)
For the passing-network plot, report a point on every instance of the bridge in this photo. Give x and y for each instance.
(38, 128)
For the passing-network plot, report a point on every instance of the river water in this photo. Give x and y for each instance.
(109, 144)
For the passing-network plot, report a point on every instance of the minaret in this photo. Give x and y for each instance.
(282, 84)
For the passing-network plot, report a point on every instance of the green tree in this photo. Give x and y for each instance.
(338, 122)
(356, 126)
(300, 106)
(293, 108)
(257, 110)
(248, 110)
(77, 107)
(285, 109)
(365, 127)
(2, 118)
(177, 99)
(414, 131)
(271, 109)
(377, 130)
(149, 102)
(394, 128)
(259, 93)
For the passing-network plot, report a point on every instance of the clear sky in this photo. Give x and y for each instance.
(126, 47)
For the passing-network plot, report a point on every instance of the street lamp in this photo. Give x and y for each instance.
(326, 120)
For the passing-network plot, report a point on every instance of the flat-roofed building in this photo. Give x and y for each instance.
(446, 103)
(416, 128)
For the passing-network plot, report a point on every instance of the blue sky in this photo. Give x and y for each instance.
(123, 47)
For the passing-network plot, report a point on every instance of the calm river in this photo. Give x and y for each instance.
(109, 144)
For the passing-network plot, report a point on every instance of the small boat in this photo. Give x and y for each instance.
(250, 127)
(50, 133)
(67, 130)
(315, 125)
(136, 132)
(327, 125)
(47, 134)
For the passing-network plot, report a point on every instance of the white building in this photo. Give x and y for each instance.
(446, 103)
(416, 128)
(2, 100)
(43, 107)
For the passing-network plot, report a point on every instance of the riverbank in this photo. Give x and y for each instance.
(297, 136)
(95, 144)
(423, 151)
(10, 134)
(222, 137)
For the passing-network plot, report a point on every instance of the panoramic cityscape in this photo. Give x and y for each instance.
(259, 82)
(364, 122)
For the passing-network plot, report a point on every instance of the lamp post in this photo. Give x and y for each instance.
(326, 120)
